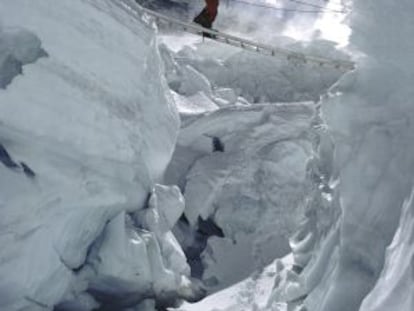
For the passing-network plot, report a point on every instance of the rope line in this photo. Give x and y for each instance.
(271, 7)
(314, 5)
(264, 49)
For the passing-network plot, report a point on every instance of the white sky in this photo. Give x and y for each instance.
(331, 25)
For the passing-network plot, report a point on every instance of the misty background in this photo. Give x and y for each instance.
(269, 21)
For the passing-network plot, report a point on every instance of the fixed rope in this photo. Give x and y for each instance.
(239, 42)
(315, 8)
(314, 5)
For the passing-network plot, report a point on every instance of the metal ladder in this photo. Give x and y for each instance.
(240, 42)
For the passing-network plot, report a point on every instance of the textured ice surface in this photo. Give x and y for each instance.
(264, 79)
(18, 47)
(356, 245)
(369, 115)
(85, 134)
(371, 123)
(83, 142)
(395, 287)
(251, 294)
(260, 178)
(254, 191)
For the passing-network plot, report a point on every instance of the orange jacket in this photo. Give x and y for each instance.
(212, 7)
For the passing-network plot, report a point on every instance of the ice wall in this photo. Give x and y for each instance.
(254, 183)
(85, 134)
(395, 287)
(370, 117)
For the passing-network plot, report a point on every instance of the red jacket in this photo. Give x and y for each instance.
(212, 7)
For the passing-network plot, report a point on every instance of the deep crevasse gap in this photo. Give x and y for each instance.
(355, 214)
(254, 191)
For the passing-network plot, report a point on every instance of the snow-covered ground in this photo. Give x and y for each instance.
(250, 294)
(125, 164)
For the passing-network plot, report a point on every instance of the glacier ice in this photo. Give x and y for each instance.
(261, 177)
(262, 79)
(369, 117)
(255, 191)
(95, 124)
(370, 120)
(87, 133)
(18, 47)
(353, 251)
(394, 289)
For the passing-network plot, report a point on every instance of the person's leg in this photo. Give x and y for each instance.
(212, 8)
(203, 19)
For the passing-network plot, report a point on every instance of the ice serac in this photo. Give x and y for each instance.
(85, 133)
(245, 168)
(260, 78)
(370, 116)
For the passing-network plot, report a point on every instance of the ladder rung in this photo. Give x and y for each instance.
(243, 43)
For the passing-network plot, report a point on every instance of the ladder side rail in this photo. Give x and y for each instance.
(248, 44)
(257, 46)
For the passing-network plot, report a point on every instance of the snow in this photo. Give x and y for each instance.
(355, 245)
(255, 190)
(260, 78)
(85, 135)
(121, 160)
(18, 47)
(170, 203)
(248, 134)
(250, 294)
(394, 289)
(260, 178)
(369, 116)
(370, 119)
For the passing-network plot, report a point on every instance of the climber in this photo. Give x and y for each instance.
(208, 14)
